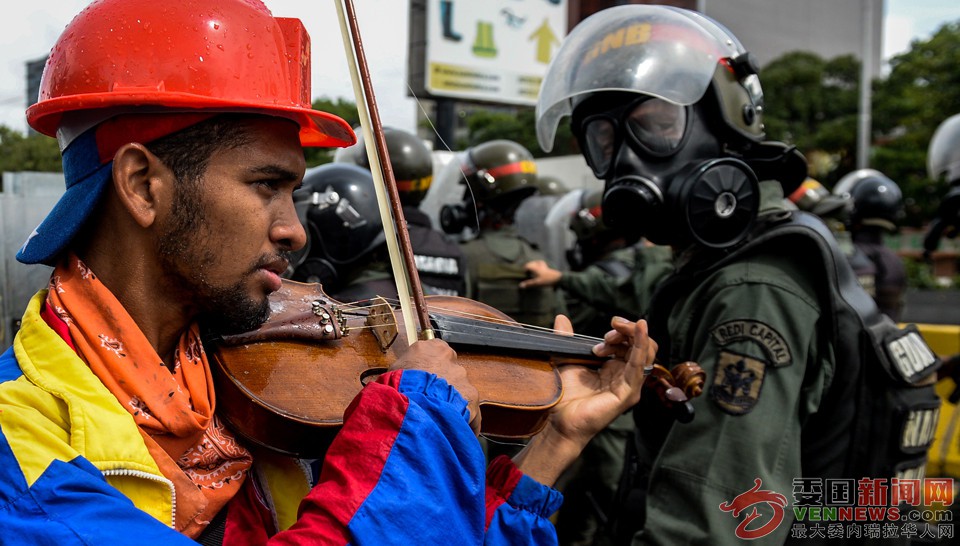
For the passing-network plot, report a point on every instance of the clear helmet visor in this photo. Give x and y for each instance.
(660, 51)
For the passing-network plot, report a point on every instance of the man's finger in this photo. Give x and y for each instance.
(562, 325)
(530, 283)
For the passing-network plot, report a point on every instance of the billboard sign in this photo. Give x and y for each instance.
(492, 50)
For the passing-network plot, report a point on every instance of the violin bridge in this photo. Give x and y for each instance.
(382, 322)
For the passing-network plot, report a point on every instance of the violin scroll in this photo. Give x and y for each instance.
(689, 377)
(675, 388)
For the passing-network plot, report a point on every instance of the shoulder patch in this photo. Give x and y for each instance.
(737, 382)
(774, 345)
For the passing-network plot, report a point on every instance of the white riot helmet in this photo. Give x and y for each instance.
(943, 154)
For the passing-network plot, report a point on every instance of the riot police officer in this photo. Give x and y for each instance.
(667, 107)
(610, 275)
(943, 165)
(877, 211)
(498, 176)
(439, 260)
(835, 210)
(532, 213)
(347, 247)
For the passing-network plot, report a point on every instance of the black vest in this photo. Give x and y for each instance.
(439, 261)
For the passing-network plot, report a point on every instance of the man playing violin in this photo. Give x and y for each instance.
(181, 128)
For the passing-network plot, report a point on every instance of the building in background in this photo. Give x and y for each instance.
(825, 27)
(34, 71)
(770, 28)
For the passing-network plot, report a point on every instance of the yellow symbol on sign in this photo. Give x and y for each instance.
(483, 46)
(545, 40)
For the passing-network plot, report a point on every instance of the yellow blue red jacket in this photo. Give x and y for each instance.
(405, 468)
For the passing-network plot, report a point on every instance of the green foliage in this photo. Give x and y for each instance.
(28, 153)
(922, 90)
(518, 126)
(812, 103)
(343, 108)
(920, 275)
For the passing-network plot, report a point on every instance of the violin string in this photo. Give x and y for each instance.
(492, 440)
(540, 336)
(527, 329)
(506, 322)
(521, 332)
(463, 175)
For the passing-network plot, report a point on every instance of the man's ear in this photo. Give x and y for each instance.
(141, 181)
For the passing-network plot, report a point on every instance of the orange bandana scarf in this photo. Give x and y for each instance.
(174, 410)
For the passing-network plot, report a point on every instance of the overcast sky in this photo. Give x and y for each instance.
(28, 30)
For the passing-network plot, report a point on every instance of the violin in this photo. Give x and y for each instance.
(286, 385)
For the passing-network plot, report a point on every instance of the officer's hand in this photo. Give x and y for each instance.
(438, 358)
(592, 398)
(541, 274)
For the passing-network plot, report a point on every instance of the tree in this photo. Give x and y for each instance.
(40, 153)
(812, 103)
(922, 90)
(485, 125)
(519, 126)
(28, 153)
(342, 108)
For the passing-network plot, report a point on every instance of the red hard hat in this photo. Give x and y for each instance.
(149, 55)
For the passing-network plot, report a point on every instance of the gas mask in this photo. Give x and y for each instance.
(456, 217)
(666, 177)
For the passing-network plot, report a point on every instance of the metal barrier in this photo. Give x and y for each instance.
(25, 199)
(944, 454)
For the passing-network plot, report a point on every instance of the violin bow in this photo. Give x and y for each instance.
(391, 212)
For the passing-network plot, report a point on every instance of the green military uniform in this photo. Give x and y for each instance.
(753, 327)
(589, 486)
(623, 287)
(594, 295)
(495, 262)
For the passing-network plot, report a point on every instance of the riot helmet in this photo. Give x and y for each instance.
(593, 236)
(943, 154)
(587, 222)
(667, 107)
(498, 175)
(816, 199)
(410, 158)
(550, 185)
(943, 162)
(342, 221)
(877, 200)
